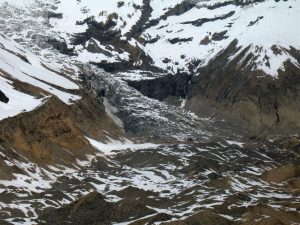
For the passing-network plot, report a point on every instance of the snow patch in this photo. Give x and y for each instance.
(117, 146)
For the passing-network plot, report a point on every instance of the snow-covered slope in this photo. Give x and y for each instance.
(206, 32)
(18, 67)
(171, 34)
(164, 30)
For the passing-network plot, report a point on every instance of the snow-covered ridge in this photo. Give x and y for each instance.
(18, 64)
(198, 32)
(260, 25)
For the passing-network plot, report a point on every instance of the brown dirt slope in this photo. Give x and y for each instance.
(54, 133)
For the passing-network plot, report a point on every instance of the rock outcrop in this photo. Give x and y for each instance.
(55, 132)
(3, 97)
(259, 102)
(44, 134)
(94, 209)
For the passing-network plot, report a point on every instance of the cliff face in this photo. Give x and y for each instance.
(261, 103)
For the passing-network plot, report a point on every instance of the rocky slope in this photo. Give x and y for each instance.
(262, 103)
(46, 117)
(149, 112)
(187, 183)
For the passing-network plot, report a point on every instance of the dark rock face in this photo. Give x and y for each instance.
(144, 23)
(94, 48)
(246, 2)
(218, 5)
(61, 46)
(107, 35)
(219, 36)
(179, 9)
(205, 41)
(161, 88)
(138, 28)
(54, 15)
(113, 67)
(262, 103)
(3, 97)
(100, 31)
(201, 21)
(255, 21)
(177, 40)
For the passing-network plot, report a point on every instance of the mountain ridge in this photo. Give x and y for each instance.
(149, 111)
(151, 38)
